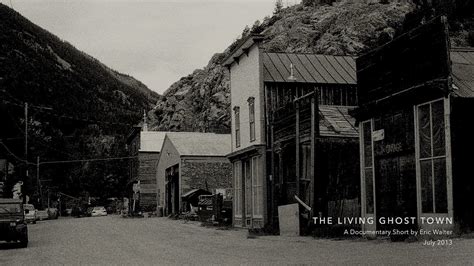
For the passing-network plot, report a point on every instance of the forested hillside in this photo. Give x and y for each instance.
(78, 109)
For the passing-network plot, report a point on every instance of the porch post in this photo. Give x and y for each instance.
(297, 137)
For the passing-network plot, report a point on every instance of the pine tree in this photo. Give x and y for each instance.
(278, 7)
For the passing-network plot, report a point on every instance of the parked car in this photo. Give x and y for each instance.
(42, 215)
(98, 211)
(13, 225)
(30, 213)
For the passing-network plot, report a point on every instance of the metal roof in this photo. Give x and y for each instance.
(200, 144)
(335, 121)
(151, 141)
(463, 71)
(309, 68)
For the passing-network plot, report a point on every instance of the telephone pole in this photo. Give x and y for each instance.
(40, 190)
(26, 137)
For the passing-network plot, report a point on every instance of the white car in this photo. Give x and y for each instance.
(30, 213)
(99, 211)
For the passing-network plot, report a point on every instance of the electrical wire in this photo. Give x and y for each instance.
(66, 161)
(89, 160)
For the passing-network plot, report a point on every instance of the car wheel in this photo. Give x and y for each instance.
(34, 222)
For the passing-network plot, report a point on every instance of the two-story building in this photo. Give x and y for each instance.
(416, 98)
(292, 138)
(145, 146)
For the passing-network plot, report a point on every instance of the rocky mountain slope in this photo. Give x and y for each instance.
(200, 101)
(78, 108)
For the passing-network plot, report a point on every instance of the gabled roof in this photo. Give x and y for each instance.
(242, 48)
(309, 68)
(335, 121)
(151, 141)
(200, 144)
(463, 71)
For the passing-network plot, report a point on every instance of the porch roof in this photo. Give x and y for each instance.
(309, 68)
(335, 121)
(463, 71)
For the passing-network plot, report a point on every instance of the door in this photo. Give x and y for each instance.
(395, 170)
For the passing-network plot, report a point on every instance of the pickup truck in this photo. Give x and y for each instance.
(13, 226)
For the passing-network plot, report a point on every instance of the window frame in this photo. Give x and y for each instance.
(257, 188)
(237, 126)
(251, 102)
(432, 158)
(237, 173)
(363, 168)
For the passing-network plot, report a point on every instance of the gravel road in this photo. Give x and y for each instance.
(161, 241)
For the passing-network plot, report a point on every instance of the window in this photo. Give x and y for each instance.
(432, 157)
(238, 189)
(237, 126)
(257, 197)
(367, 166)
(251, 102)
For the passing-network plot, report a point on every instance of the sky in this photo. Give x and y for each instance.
(155, 41)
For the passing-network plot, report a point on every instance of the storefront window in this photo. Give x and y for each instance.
(256, 189)
(238, 189)
(432, 157)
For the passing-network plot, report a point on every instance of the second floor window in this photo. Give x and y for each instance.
(251, 102)
(237, 126)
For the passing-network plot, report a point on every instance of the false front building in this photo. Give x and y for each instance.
(292, 138)
(416, 97)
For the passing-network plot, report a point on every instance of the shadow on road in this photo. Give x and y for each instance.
(10, 245)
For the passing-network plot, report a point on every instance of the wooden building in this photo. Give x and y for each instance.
(189, 161)
(146, 147)
(291, 134)
(416, 97)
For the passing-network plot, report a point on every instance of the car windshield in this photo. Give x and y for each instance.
(98, 208)
(10, 208)
(29, 207)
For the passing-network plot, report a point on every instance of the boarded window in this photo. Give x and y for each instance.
(432, 157)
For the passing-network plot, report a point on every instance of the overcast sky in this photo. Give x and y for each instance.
(155, 41)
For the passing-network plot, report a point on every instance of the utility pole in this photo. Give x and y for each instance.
(38, 180)
(26, 137)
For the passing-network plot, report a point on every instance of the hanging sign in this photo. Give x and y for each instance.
(378, 135)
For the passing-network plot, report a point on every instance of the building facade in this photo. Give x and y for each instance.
(190, 161)
(292, 136)
(414, 96)
(145, 146)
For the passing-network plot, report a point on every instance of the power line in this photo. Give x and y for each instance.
(66, 161)
(89, 160)
(48, 111)
(14, 155)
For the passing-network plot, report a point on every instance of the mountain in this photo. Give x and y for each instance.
(200, 101)
(78, 109)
